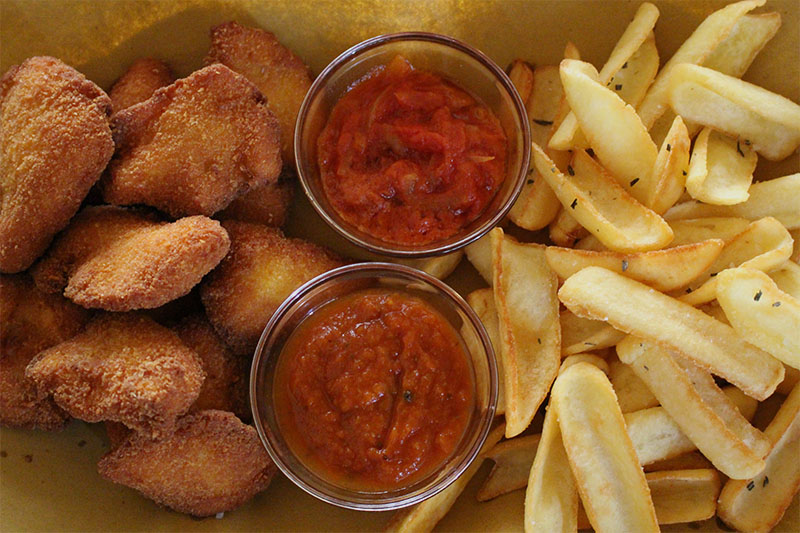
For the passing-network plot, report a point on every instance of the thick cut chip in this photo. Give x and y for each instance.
(700, 229)
(703, 412)
(118, 259)
(770, 122)
(671, 168)
(602, 206)
(632, 393)
(439, 267)
(194, 146)
(777, 198)
(634, 78)
(139, 82)
(482, 302)
(580, 335)
(721, 169)
(512, 460)
(521, 75)
(687, 461)
(212, 463)
(565, 230)
(54, 143)
(637, 309)
(601, 455)
(787, 278)
(530, 333)
(758, 504)
(591, 358)
(123, 368)
(479, 254)
(761, 313)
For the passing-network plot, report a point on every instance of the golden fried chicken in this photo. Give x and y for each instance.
(279, 74)
(55, 142)
(262, 268)
(31, 321)
(117, 433)
(212, 463)
(193, 146)
(139, 82)
(123, 368)
(267, 205)
(226, 385)
(120, 259)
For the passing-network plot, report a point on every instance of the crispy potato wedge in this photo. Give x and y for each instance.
(758, 504)
(512, 461)
(580, 335)
(721, 169)
(591, 358)
(601, 455)
(521, 75)
(787, 278)
(671, 168)
(602, 206)
(792, 378)
(770, 122)
(439, 267)
(761, 313)
(530, 332)
(632, 393)
(565, 230)
(635, 76)
(482, 302)
(479, 253)
(687, 461)
(700, 229)
(664, 270)
(734, 55)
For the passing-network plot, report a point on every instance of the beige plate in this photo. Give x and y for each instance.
(49, 481)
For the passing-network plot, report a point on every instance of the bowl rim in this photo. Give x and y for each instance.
(433, 249)
(486, 421)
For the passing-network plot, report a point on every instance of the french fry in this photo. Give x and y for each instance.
(687, 461)
(770, 122)
(795, 233)
(637, 309)
(792, 378)
(482, 302)
(763, 245)
(602, 206)
(671, 168)
(521, 76)
(530, 333)
(734, 55)
(479, 253)
(632, 393)
(703, 412)
(565, 230)
(664, 270)
(425, 515)
(776, 198)
(761, 313)
(699, 229)
(787, 278)
(721, 169)
(601, 455)
(591, 358)
(439, 267)
(512, 461)
(612, 127)
(706, 37)
(580, 335)
(633, 79)
(757, 504)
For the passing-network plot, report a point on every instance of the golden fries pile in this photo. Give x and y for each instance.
(667, 314)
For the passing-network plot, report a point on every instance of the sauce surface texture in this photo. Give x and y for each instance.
(409, 157)
(373, 391)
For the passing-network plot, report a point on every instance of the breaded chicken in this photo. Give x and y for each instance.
(117, 434)
(226, 385)
(139, 82)
(194, 146)
(55, 142)
(31, 322)
(119, 259)
(267, 205)
(279, 74)
(212, 463)
(262, 268)
(123, 368)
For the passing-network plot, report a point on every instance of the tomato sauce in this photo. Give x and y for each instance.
(409, 157)
(374, 391)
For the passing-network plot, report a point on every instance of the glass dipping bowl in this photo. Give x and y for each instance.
(326, 288)
(467, 67)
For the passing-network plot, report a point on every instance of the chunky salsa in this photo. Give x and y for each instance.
(373, 391)
(409, 157)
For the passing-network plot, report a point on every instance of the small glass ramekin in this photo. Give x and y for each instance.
(450, 58)
(326, 288)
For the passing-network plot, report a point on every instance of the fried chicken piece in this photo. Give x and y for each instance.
(119, 259)
(31, 321)
(123, 368)
(267, 205)
(262, 268)
(139, 82)
(194, 146)
(279, 74)
(212, 463)
(55, 142)
(117, 434)
(226, 385)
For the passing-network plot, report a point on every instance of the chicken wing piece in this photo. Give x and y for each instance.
(123, 368)
(212, 463)
(54, 143)
(120, 259)
(139, 82)
(194, 146)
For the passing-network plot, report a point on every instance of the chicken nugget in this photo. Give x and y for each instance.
(118, 259)
(226, 385)
(267, 205)
(193, 146)
(139, 83)
(55, 142)
(31, 322)
(279, 74)
(262, 268)
(123, 368)
(212, 463)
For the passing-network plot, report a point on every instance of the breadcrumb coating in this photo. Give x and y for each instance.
(139, 82)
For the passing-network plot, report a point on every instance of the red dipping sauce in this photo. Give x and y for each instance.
(374, 391)
(409, 157)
